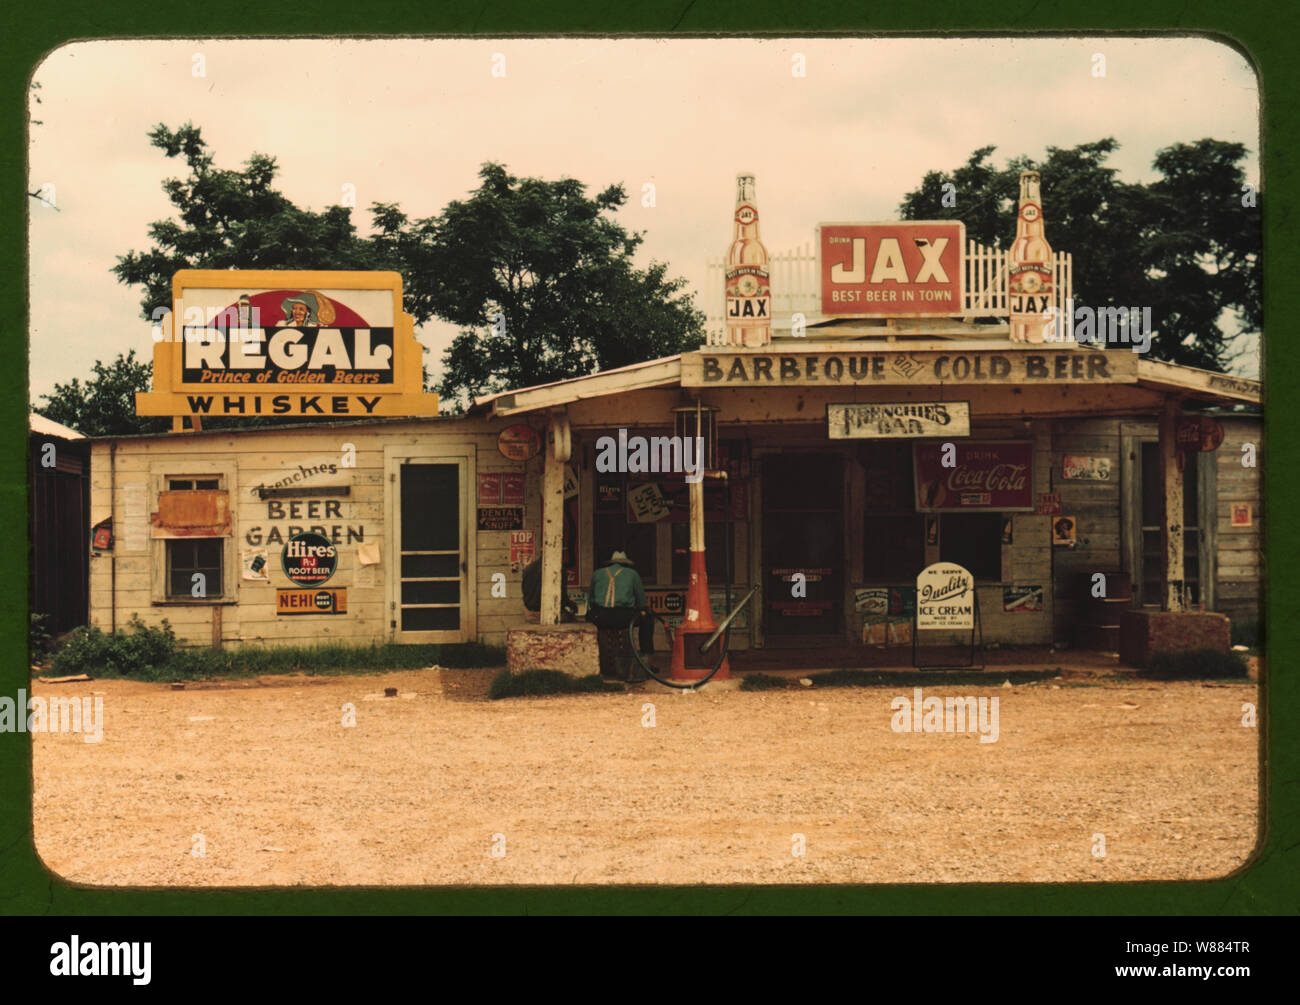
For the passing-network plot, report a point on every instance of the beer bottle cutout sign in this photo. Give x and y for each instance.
(1029, 266)
(749, 293)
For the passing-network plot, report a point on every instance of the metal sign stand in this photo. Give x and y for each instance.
(978, 626)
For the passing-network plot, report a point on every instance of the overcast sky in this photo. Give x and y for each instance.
(411, 121)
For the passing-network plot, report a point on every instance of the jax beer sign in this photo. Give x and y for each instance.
(908, 269)
(286, 344)
(970, 475)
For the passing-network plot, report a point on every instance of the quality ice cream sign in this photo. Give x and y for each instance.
(945, 597)
(286, 344)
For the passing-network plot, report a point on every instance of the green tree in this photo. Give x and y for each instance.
(541, 256)
(234, 220)
(1185, 244)
(542, 282)
(104, 405)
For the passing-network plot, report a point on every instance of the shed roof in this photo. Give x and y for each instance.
(39, 424)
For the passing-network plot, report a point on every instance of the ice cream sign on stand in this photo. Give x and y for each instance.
(945, 597)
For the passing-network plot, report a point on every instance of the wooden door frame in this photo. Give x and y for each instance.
(758, 570)
(1132, 436)
(463, 456)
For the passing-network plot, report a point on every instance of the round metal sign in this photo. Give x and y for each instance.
(1199, 433)
(519, 443)
(309, 559)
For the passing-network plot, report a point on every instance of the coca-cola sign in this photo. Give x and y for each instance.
(981, 475)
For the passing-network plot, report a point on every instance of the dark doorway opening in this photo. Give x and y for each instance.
(803, 535)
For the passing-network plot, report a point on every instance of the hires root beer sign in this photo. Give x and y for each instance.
(909, 269)
(982, 475)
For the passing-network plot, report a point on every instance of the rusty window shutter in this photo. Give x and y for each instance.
(194, 513)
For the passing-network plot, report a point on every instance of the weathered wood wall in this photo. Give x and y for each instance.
(262, 457)
(790, 419)
(1239, 550)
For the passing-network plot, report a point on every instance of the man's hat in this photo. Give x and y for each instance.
(621, 558)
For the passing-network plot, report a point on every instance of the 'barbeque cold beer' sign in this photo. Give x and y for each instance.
(286, 343)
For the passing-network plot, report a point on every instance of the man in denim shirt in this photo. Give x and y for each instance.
(617, 599)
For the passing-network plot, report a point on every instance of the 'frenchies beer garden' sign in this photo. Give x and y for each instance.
(986, 475)
(286, 343)
(907, 269)
(898, 420)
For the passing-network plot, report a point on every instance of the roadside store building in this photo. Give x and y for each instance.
(857, 451)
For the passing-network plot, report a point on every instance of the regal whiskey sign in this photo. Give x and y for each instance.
(289, 344)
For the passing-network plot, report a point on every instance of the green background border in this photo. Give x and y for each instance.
(1266, 32)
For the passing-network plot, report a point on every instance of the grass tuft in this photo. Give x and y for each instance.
(895, 678)
(1196, 664)
(528, 683)
(142, 652)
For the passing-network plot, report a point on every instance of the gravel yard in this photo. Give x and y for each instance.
(576, 790)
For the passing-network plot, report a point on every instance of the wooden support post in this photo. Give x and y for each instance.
(552, 534)
(1171, 529)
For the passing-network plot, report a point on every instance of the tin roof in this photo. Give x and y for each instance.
(280, 428)
(48, 427)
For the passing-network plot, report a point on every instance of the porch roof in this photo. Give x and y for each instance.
(1204, 386)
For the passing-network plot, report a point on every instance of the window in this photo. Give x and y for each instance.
(894, 533)
(193, 520)
(973, 541)
(187, 557)
(613, 533)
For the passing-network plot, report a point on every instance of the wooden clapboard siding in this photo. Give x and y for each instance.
(264, 457)
(1088, 421)
(1095, 506)
(1239, 586)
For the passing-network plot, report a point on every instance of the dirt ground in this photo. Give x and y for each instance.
(576, 790)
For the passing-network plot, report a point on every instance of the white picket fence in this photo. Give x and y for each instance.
(796, 288)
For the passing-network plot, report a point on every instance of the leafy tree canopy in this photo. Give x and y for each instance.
(1187, 245)
(104, 404)
(538, 275)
